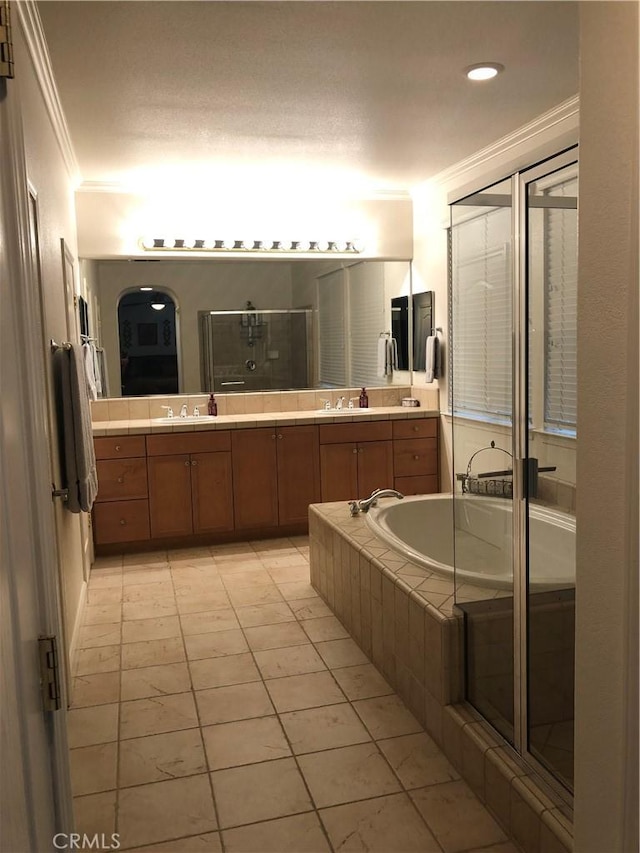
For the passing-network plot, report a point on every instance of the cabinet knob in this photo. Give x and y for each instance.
(416, 428)
(280, 436)
(416, 457)
(194, 462)
(355, 450)
(122, 522)
(120, 480)
(361, 450)
(118, 447)
(187, 463)
(273, 436)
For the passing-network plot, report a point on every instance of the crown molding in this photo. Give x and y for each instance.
(566, 113)
(39, 53)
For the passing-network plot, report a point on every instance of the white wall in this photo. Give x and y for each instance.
(606, 769)
(50, 177)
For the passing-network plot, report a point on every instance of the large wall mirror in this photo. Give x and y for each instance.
(172, 326)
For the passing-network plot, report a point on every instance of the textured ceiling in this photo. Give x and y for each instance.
(366, 92)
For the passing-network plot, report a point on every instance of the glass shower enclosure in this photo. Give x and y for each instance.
(513, 289)
(255, 350)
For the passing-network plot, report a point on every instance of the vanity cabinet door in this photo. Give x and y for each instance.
(298, 472)
(170, 495)
(212, 492)
(339, 471)
(255, 478)
(375, 466)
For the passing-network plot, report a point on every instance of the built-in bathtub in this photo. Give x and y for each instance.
(420, 529)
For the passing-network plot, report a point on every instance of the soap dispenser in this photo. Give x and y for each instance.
(364, 399)
(212, 406)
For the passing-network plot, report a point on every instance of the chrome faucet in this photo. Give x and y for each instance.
(339, 403)
(184, 412)
(326, 404)
(365, 504)
(169, 411)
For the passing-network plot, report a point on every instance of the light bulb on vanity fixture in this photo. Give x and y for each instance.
(158, 306)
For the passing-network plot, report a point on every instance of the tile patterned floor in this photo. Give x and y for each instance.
(219, 705)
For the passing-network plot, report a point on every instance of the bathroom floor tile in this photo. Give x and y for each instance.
(157, 714)
(294, 660)
(235, 702)
(100, 659)
(264, 614)
(259, 792)
(246, 596)
(325, 628)
(164, 810)
(207, 623)
(387, 716)
(213, 600)
(294, 590)
(154, 681)
(323, 728)
(276, 636)
(383, 825)
(347, 774)
(95, 814)
(456, 817)
(146, 591)
(362, 682)
(158, 757)
(295, 573)
(218, 672)
(338, 653)
(251, 579)
(100, 689)
(93, 636)
(309, 608)
(298, 834)
(417, 760)
(208, 843)
(101, 614)
(151, 652)
(141, 630)
(88, 726)
(104, 595)
(215, 645)
(93, 768)
(244, 742)
(295, 692)
(149, 609)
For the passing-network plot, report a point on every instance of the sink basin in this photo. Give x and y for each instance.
(190, 419)
(340, 411)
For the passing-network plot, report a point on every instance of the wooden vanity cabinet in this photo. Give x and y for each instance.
(351, 469)
(121, 510)
(276, 475)
(190, 491)
(415, 456)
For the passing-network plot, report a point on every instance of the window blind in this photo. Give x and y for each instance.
(482, 315)
(366, 321)
(331, 329)
(561, 293)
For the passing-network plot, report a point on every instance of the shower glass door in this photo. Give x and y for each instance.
(550, 194)
(481, 395)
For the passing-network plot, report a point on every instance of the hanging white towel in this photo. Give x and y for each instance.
(432, 358)
(97, 371)
(393, 347)
(89, 370)
(382, 358)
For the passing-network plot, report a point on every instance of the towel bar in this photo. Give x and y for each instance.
(54, 346)
(59, 493)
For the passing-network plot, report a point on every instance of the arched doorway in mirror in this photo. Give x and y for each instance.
(147, 330)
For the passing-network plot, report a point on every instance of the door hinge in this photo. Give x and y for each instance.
(49, 673)
(6, 44)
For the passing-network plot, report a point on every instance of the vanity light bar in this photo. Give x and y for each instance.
(178, 244)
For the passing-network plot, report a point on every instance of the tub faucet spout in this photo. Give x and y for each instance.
(365, 504)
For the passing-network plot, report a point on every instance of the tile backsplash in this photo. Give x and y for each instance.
(145, 408)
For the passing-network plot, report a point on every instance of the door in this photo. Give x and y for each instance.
(298, 472)
(212, 492)
(339, 471)
(255, 473)
(375, 466)
(170, 495)
(34, 776)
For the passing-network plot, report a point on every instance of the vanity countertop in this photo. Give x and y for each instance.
(266, 419)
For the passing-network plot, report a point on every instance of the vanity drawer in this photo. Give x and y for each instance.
(340, 433)
(206, 441)
(119, 446)
(121, 479)
(121, 521)
(416, 428)
(415, 456)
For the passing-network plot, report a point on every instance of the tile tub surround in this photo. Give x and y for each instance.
(240, 406)
(255, 724)
(403, 619)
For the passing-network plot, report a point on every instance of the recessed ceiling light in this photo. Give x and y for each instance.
(146, 288)
(484, 70)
